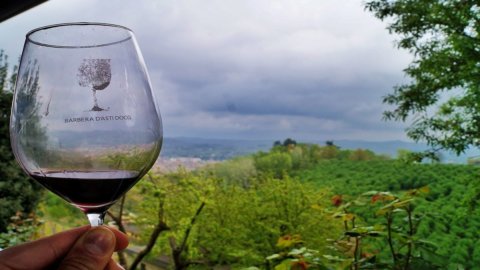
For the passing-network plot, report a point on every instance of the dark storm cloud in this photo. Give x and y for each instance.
(356, 104)
(257, 69)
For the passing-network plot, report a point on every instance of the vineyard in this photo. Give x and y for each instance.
(297, 206)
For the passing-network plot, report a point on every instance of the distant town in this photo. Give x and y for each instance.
(165, 165)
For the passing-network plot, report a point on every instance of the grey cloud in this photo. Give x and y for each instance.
(258, 69)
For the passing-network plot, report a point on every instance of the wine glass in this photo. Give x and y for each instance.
(84, 123)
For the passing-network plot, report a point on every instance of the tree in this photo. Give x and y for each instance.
(330, 143)
(443, 96)
(275, 164)
(329, 152)
(289, 142)
(361, 155)
(18, 194)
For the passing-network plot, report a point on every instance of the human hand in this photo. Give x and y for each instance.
(82, 248)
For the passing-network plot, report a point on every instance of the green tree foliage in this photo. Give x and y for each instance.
(238, 171)
(239, 225)
(275, 164)
(444, 38)
(329, 152)
(291, 158)
(361, 155)
(18, 194)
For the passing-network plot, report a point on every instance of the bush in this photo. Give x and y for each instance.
(238, 225)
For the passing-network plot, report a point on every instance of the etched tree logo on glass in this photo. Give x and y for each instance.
(95, 73)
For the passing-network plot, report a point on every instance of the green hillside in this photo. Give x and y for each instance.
(302, 206)
(452, 218)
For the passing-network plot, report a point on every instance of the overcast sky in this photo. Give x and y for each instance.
(310, 70)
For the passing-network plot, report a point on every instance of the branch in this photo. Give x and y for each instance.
(160, 227)
(389, 237)
(410, 234)
(192, 222)
(122, 259)
(355, 253)
(177, 251)
(118, 219)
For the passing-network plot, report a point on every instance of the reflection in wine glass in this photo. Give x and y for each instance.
(87, 157)
(95, 73)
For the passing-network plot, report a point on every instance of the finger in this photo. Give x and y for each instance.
(47, 251)
(121, 239)
(92, 251)
(112, 265)
(41, 253)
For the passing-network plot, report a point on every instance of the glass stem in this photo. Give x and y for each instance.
(96, 219)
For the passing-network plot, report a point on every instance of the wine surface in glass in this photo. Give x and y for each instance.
(91, 191)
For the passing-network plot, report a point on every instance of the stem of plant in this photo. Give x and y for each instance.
(355, 253)
(389, 236)
(410, 234)
(345, 222)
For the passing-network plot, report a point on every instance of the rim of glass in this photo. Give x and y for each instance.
(46, 27)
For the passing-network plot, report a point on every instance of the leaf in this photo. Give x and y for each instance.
(375, 233)
(388, 197)
(344, 245)
(297, 251)
(273, 257)
(390, 205)
(403, 203)
(424, 190)
(287, 241)
(426, 243)
(431, 256)
(382, 211)
(352, 233)
(370, 193)
(348, 217)
(334, 258)
(284, 265)
(358, 203)
(338, 214)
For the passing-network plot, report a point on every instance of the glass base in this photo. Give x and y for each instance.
(96, 219)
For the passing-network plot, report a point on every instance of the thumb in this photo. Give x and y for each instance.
(92, 251)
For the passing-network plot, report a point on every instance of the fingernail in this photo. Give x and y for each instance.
(120, 266)
(99, 241)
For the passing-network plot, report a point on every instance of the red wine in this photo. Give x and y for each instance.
(91, 191)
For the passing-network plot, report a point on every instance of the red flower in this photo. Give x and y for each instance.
(367, 255)
(300, 265)
(376, 197)
(382, 197)
(337, 200)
